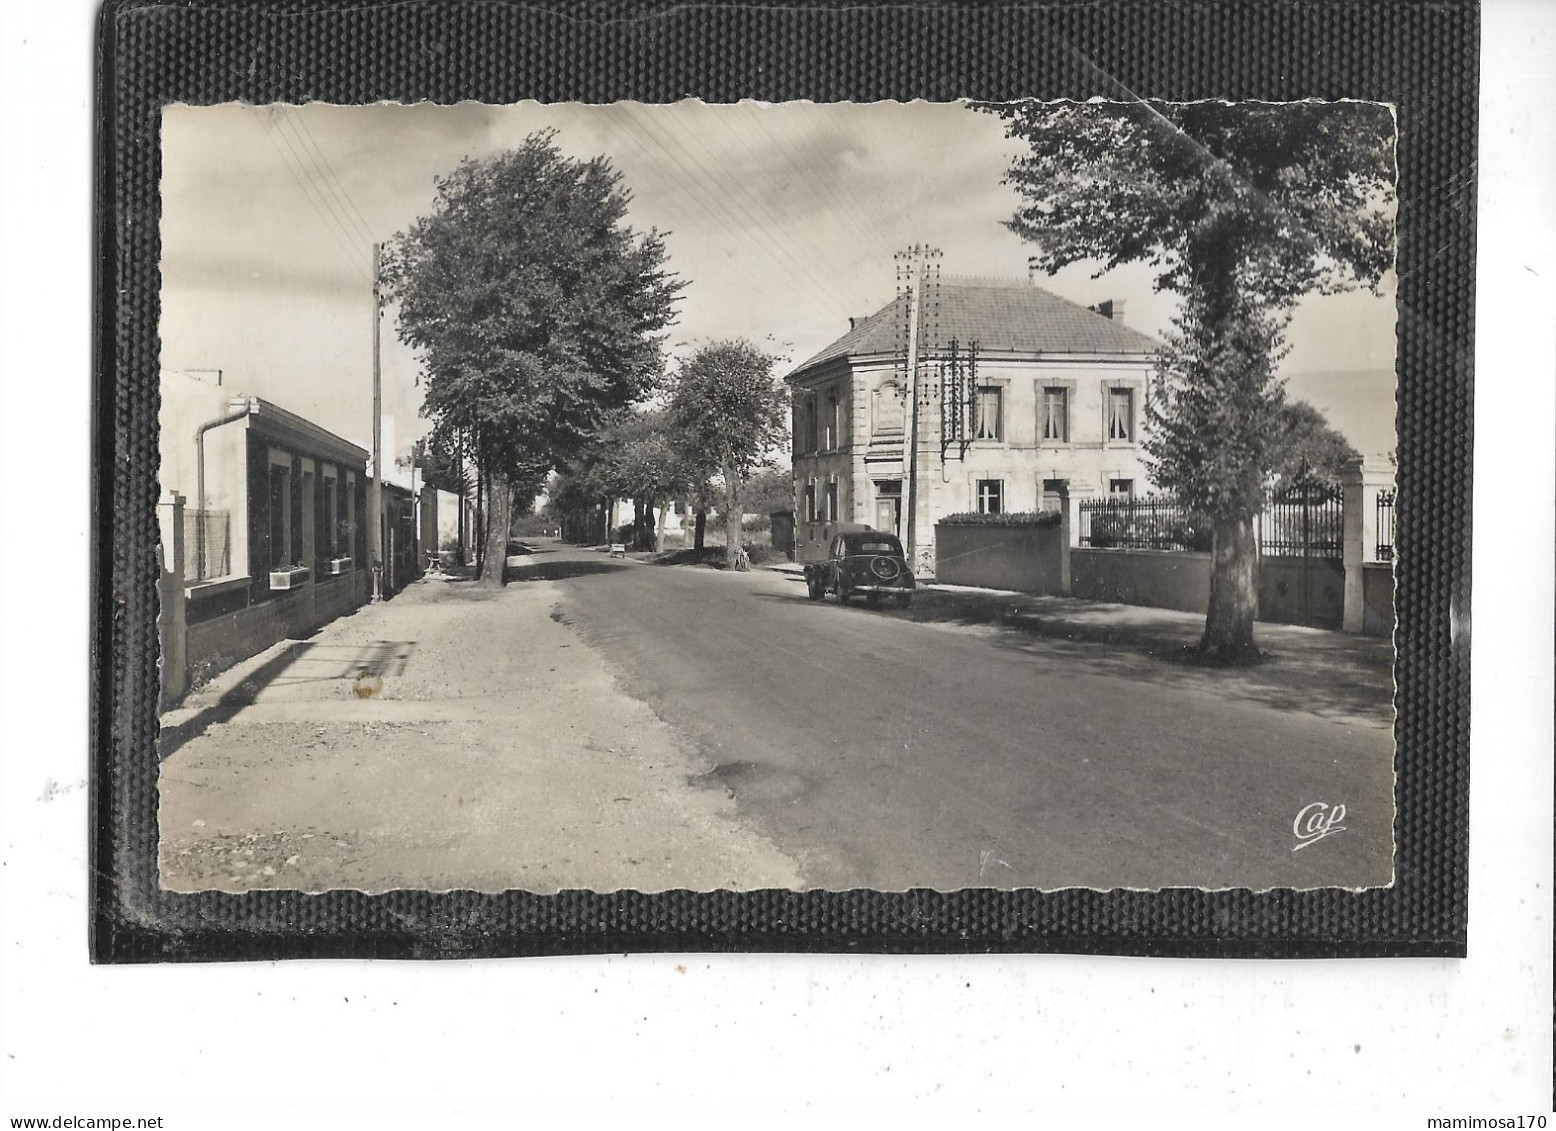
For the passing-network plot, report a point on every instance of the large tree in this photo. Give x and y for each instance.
(537, 312)
(640, 459)
(1242, 209)
(1307, 444)
(729, 413)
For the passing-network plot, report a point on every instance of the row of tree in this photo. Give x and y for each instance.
(540, 317)
(724, 415)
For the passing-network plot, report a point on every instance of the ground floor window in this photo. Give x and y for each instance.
(1056, 494)
(279, 501)
(810, 501)
(832, 501)
(1123, 489)
(991, 496)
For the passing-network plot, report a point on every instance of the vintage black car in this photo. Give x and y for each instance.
(862, 561)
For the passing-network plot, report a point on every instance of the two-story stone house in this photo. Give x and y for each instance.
(1025, 402)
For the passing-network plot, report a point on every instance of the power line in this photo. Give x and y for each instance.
(666, 177)
(336, 212)
(363, 226)
(339, 236)
(776, 228)
(712, 201)
(862, 216)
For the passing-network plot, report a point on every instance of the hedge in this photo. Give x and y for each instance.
(1014, 518)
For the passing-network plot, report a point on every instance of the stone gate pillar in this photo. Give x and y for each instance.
(1361, 479)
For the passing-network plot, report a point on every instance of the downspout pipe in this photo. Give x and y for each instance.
(238, 410)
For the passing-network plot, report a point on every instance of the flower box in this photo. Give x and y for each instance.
(290, 578)
(339, 566)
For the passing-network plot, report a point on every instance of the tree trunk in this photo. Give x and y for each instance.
(639, 522)
(659, 529)
(499, 514)
(731, 519)
(1234, 594)
(701, 530)
(479, 534)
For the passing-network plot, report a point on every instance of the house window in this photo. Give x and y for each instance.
(348, 525)
(810, 501)
(1056, 414)
(832, 501)
(280, 504)
(808, 423)
(831, 421)
(991, 496)
(326, 516)
(1121, 489)
(987, 423)
(1121, 414)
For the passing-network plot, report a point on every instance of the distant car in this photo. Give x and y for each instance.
(862, 561)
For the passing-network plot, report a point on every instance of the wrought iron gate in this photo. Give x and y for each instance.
(1302, 553)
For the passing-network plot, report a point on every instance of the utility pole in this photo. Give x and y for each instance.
(910, 449)
(375, 489)
(919, 257)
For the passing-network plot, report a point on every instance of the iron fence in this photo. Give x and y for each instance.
(1385, 516)
(1306, 519)
(1142, 524)
(207, 545)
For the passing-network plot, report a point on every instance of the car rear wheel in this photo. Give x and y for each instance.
(814, 588)
(843, 593)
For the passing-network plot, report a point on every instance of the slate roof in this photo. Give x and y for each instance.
(999, 314)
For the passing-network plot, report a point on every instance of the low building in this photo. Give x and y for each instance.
(1025, 402)
(263, 527)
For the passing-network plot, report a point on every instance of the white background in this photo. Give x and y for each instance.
(756, 1032)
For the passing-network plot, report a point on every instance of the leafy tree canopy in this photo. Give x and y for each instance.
(536, 308)
(1280, 200)
(728, 409)
(638, 458)
(1305, 441)
(729, 413)
(770, 490)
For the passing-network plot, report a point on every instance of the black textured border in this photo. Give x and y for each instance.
(1423, 57)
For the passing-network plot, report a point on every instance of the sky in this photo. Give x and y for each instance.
(783, 220)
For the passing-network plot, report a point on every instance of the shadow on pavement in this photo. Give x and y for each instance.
(170, 738)
(293, 666)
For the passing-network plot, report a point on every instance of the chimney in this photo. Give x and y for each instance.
(1111, 309)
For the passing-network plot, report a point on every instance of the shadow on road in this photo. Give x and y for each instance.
(1330, 675)
(563, 570)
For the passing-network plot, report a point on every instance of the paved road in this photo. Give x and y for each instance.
(878, 752)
